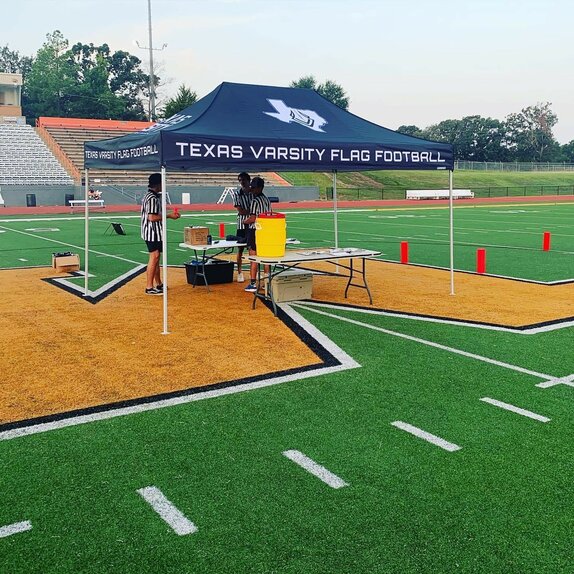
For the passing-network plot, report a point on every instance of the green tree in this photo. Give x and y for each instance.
(308, 82)
(474, 138)
(410, 130)
(183, 99)
(84, 81)
(529, 134)
(50, 77)
(12, 63)
(108, 85)
(567, 152)
(329, 90)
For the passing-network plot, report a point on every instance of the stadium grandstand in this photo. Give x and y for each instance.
(46, 162)
(26, 160)
(66, 137)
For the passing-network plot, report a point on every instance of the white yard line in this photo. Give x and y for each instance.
(15, 528)
(516, 410)
(79, 247)
(433, 439)
(432, 344)
(398, 314)
(177, 521)
(315, 469)
(568, 381)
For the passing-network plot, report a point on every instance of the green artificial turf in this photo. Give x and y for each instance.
(503, 503)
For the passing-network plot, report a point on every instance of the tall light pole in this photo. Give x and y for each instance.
(151, 74)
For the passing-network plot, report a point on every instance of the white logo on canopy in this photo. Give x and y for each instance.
(307, 118)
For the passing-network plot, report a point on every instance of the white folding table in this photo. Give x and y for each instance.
(356, 277)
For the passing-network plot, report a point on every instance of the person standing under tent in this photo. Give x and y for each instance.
(151, 232)
(259, 204)
(241, 202)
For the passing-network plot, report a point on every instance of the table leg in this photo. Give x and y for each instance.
(363, 274)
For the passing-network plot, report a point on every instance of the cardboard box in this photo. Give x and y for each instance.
(292, 286)
(66, 263)
(195, 235)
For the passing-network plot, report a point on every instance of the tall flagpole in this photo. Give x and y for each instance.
(151, 76)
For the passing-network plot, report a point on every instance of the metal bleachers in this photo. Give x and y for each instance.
(70, 140)
(26, 160)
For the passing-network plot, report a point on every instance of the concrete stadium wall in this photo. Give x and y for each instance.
(45, 195)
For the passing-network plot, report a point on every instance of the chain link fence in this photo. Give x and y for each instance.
(512, 166)
(394, 193)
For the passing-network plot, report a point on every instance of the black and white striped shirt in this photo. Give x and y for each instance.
(242, 200)
(151, 205)
(259, 204)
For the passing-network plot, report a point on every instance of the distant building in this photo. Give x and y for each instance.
(10, 96)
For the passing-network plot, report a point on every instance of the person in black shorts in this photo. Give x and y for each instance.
(241, 201)
(151, 232)
(259, 204)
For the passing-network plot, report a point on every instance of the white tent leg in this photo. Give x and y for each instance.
(86, 230)
(164, 251)
(336, 223)
(451, 232)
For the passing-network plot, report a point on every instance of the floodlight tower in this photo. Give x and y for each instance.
(151, 74)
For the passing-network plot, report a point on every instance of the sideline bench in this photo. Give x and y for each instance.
(82, 203)
(438, 194)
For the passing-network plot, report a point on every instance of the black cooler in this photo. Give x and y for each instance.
(216, 271)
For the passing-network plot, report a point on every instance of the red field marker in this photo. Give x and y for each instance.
(404, 252)
(481, 260)
(222, 230)
(546, 241)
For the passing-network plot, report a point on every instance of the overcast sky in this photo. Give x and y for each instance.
(400, 62)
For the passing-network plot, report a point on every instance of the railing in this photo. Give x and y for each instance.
(131, 196)
(512, 166)
(56, 149)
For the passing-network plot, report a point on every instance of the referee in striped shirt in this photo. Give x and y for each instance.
(151, 231)
(259, 204)
(241, 202)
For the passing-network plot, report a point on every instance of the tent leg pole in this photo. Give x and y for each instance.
(86, 230)
(335, 215)
(164, 251)
(451, 231)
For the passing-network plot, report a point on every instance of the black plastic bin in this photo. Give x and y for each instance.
(216, 271)
(30, 200)
(69, 197)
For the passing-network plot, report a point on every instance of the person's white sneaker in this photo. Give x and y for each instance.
(240, 278)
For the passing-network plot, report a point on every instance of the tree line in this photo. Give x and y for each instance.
(88, 81)
(525, 136)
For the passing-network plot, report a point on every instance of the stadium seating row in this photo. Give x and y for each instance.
(25, 159)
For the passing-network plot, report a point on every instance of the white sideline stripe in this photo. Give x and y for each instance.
(15, 528)
(347, 362)
(315, 469)
(80, 288)
(179, 523)
(516, 410)
(568, 381)
(431, 344)
(436, 440)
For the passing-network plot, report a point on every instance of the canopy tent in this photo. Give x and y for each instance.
(241, 127)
